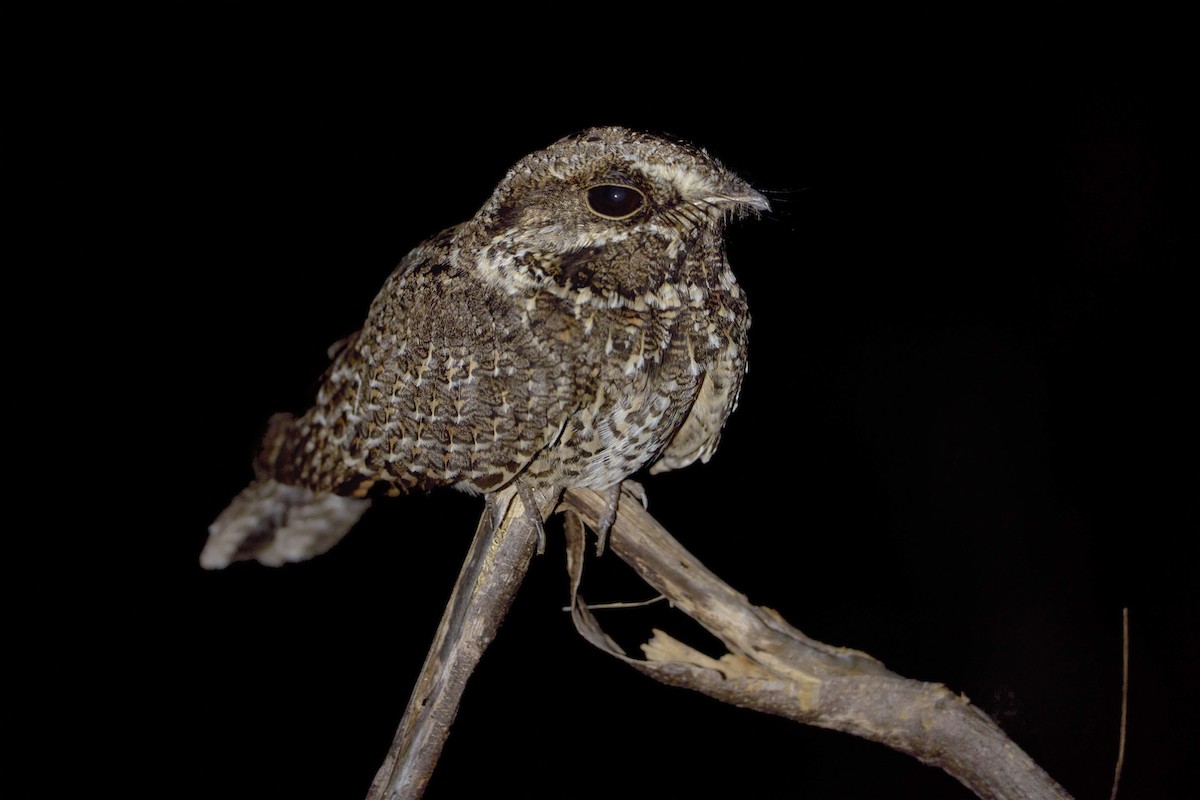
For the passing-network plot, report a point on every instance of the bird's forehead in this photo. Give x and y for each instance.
(600, 145)
(592, 152)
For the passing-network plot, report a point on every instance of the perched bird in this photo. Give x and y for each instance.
(582, 325)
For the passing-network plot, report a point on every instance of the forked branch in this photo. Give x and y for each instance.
(771, 666)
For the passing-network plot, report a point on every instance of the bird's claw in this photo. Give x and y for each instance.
(612, 499)
(498, 510)
(532, 514)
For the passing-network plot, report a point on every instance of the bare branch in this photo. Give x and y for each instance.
(773, 667)
(492, 573)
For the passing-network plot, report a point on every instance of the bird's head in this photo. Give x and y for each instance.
(613, 217)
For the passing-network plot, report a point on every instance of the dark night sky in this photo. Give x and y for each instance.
(966, 441)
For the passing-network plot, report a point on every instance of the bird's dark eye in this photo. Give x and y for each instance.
(614, 201)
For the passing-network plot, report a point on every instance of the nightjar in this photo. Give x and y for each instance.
(582, 325)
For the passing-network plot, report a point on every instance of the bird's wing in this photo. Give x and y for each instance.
(701, 430)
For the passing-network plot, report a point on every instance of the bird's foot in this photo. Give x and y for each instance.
(532, 514)
(612, 498)
(497, 509)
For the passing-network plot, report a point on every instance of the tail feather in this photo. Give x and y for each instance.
(274, 523)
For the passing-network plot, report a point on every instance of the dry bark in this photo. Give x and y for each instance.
(491, 574)
(774, 668)
(771, 666)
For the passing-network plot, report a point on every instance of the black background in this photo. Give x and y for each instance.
(966, 441)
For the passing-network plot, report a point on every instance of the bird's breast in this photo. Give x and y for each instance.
(640, 374)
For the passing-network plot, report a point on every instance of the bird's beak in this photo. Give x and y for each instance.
(736, 195)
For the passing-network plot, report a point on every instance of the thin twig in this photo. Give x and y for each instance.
(623, 604)
(1124, 701)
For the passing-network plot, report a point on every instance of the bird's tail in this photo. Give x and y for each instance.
(274, 522)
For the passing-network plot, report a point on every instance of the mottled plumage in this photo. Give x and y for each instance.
(582, 325)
